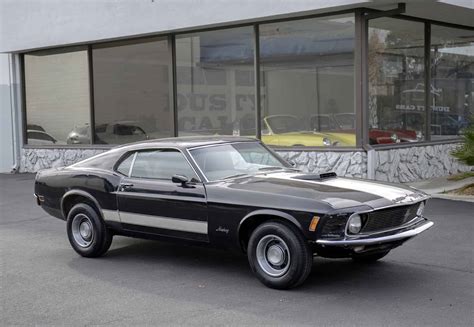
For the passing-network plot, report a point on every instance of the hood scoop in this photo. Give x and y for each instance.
(316, 177)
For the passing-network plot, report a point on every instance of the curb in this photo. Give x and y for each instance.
(449, 186)
(465, 198)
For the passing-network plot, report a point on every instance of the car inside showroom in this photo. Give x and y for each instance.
(380, 91)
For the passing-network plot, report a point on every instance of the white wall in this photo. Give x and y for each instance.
(28, 24)
(6, 139)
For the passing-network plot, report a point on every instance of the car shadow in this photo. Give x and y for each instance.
(153, 266)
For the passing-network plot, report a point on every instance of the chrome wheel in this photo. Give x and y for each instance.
(82, 230)
(273, 255)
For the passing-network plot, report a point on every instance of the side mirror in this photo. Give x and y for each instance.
(180, 179)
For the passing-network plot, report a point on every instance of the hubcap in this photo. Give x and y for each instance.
(82, 230)
(273, 255)
(85, 230)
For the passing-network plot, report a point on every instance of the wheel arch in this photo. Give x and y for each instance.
(73, 196)
(256, 218)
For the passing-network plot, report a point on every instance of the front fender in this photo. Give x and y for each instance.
(269, 212)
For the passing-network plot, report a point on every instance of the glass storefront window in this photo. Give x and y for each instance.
(132, 91)
(307, 80)
(396, 81)
(56, 94)
(215, 83)
(452, 81)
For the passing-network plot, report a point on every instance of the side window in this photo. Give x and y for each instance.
(162, 164)
(124, 166)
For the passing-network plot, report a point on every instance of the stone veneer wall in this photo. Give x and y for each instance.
(350, 164)
(394, 165)
(353, 164)
(417, 163)
(33, 160)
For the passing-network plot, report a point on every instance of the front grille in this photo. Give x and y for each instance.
(389, 218)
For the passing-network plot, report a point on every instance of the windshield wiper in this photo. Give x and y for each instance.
(235, 176)
(275, 167)
(269, 168)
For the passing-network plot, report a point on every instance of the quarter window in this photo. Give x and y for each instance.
(124, 166)
(162, 164)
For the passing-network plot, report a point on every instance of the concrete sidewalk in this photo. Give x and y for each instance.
(437, 187)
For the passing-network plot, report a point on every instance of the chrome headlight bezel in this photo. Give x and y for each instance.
(354, 224)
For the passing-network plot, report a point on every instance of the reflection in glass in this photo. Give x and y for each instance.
(307, 77)
(236, 159)
(396, 81)
(132, 91)
(56, 94)
(452, 81)
(215, 83)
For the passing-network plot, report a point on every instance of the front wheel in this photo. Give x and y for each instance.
(369, 258)
(279, 256)
(87, 232)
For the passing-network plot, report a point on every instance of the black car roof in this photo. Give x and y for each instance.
(186, 142)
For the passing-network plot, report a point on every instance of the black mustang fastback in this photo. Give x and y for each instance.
(231, 193)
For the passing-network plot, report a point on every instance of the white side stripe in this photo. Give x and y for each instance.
(111, 215)
(183, 225)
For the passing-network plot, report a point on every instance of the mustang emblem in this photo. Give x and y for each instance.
(222, 230)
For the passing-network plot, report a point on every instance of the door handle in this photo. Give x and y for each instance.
(125, 186)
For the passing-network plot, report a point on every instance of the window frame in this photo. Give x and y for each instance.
(361, 15)
(135, 152)
(24, 109)
(427, 80)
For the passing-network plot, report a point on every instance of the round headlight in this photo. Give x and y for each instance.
(354, 224)
(326, 141)
(419, 212)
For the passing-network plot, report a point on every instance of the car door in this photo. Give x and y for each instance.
(150, 202)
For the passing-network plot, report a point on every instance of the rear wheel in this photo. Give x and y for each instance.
(87, 232)
(369, 258)
(279, 256)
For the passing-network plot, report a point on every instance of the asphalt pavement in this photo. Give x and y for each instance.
(426, 282)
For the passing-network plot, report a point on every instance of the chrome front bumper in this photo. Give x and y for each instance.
(402, 234)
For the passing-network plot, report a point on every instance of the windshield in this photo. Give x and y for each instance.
(236, 159)
(284, 124)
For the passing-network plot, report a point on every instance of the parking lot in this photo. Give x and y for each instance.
(428, 281)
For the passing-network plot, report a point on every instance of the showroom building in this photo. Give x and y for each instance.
(373, 89)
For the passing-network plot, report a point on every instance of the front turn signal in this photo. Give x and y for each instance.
(313, 224)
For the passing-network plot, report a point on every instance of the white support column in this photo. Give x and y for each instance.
(6, 121)
(16, 110)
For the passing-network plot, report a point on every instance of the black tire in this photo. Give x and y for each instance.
(298, 258)
(369, 258)
(100, 237)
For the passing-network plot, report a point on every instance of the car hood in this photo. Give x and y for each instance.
(337, 192)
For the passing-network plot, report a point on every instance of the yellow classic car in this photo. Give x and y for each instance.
(287, 130)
